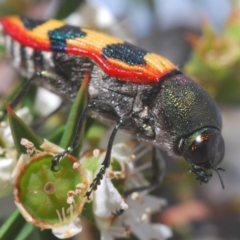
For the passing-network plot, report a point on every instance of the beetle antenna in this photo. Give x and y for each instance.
(220, 178)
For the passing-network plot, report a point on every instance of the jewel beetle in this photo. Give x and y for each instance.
(140, 92)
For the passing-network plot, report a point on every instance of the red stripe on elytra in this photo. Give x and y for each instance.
(144, 76)
(19, 34)
(131, 75)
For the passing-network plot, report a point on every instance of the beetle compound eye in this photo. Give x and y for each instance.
(201, 150)
(204, 148)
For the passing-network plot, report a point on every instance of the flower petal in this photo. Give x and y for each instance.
(6, 167)
(69, 230)
(107, 199)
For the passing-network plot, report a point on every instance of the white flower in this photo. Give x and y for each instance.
(5, 130)
(141, 206)
(135, 220)
(7, 165)
(108, 201)
(8, 153)
(69, 230)
(136, 217)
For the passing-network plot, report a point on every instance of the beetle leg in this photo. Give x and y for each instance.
(123, 123)
(158, 172)
(24, 89)
(106, 110)
(94, 105)
(118, 212)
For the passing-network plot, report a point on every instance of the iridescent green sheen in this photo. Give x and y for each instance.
(186, 107)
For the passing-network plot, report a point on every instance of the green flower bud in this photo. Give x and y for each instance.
(49, 199)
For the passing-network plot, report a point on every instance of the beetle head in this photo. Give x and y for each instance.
(204, 150)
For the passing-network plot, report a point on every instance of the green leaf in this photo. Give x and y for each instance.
(56, 134)
(12, 226)
(20, 130)
(25, 232)
(75, 112)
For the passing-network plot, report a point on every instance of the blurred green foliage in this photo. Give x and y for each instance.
(215, 61)
(22, 7)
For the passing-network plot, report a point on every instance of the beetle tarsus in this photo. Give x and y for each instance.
(58, 158)
(96, 182)
(118, 212)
